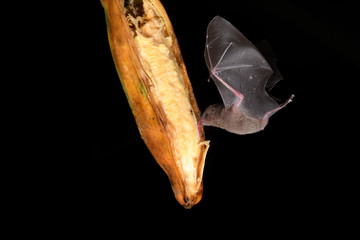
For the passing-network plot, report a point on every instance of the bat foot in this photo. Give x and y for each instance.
(287, 101)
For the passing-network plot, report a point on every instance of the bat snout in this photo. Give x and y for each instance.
(201, 122)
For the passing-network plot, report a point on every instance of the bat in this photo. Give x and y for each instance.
(243, 76)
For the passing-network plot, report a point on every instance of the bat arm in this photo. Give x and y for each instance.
(236, 93)
(222, 56)
(233, 67)
(214, 72)
(268, 114)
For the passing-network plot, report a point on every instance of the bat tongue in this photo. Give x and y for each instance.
(268, 114)
(199, 125)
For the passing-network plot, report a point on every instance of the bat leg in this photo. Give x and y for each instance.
(268, 114)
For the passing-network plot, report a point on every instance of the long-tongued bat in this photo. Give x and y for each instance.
(242, 76)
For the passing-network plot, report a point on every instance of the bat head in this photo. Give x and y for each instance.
(232, 119)
(211, 115)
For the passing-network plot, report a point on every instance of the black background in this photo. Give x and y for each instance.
(289, 175)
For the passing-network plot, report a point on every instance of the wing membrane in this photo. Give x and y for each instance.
(238, 69)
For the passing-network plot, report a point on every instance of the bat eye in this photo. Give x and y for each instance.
(210, 111)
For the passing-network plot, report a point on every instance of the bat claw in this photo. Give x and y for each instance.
(287, 101)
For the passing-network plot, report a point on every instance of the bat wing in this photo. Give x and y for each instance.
(270, 57)
(238, 69)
